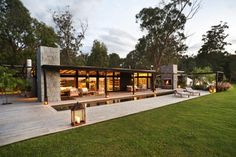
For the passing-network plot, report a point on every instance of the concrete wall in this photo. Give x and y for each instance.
(48, 56)
(169, 72)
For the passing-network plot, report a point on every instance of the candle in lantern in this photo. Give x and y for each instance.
(77, 119)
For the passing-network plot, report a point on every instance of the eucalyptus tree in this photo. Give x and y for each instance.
(99, 55)
(213, 52)
(164, 28)
(69, 38)
(20, 34)
(114, 60)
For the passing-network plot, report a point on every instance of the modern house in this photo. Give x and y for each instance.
(54, 79)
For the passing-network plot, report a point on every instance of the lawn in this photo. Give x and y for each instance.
(201, 127)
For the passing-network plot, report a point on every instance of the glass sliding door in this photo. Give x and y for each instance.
(67, 83)
(117, 84)
(92, 83)
(82, 82)
(109, 84)
(142, 83)
(101, 87)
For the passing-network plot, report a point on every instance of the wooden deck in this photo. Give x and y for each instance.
(20, 121)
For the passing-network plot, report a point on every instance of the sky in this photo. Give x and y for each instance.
(113, 21)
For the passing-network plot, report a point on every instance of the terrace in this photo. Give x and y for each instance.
(23, 120)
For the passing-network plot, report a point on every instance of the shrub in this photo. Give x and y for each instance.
(223, 86)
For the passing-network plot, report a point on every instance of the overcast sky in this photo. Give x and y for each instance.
(113, 21)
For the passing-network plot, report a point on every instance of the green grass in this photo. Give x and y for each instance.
(202, 127)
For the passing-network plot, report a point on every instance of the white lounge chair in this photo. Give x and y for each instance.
(83, 91)
(181, 93)
(74, 92)
(191, 91)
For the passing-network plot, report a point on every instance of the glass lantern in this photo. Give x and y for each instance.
(78, 114)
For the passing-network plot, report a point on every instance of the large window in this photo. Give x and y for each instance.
(94, 80)
(143, 83)
(143, 80)
(92, 83)
(116, 83)
(101, 86)
(67, 82)
(109, 84)
(142, 74)
(82, 82)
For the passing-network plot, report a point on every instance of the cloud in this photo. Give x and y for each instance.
(43, 10)
(117, 40)
(233, 41)
(120, 33)
(111, 39)
(194, 47)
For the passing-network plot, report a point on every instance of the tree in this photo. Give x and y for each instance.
(20, 35)
(114, 60)
(136, 59)
(165, 29)
(69, 38)
(187, 63)
(98, 56)
(41, 35)
(14, 30)
(82, 59)
(212, 52)
(231, 68)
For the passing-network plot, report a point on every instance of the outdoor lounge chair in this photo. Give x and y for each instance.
(83, 91)
(74, 92)
(181, 93)
(191, 91)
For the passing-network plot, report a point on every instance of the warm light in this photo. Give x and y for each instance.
(179, 86)
(77, 119)
(212, 89)
(78, 114)
(45, 103)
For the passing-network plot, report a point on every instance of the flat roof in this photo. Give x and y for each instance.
(69, 67)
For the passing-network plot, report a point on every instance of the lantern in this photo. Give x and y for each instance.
(78, 114)
(45, 101)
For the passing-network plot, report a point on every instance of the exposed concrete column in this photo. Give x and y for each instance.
(48, 56)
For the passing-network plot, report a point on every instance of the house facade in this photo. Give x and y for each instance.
(54, 79)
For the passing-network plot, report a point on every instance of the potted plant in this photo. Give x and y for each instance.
(7, 82)
(25, 87)
(28, 90)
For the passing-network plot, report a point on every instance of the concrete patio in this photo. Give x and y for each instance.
(20, 121)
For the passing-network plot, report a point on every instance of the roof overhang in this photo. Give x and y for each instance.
(67, 67)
